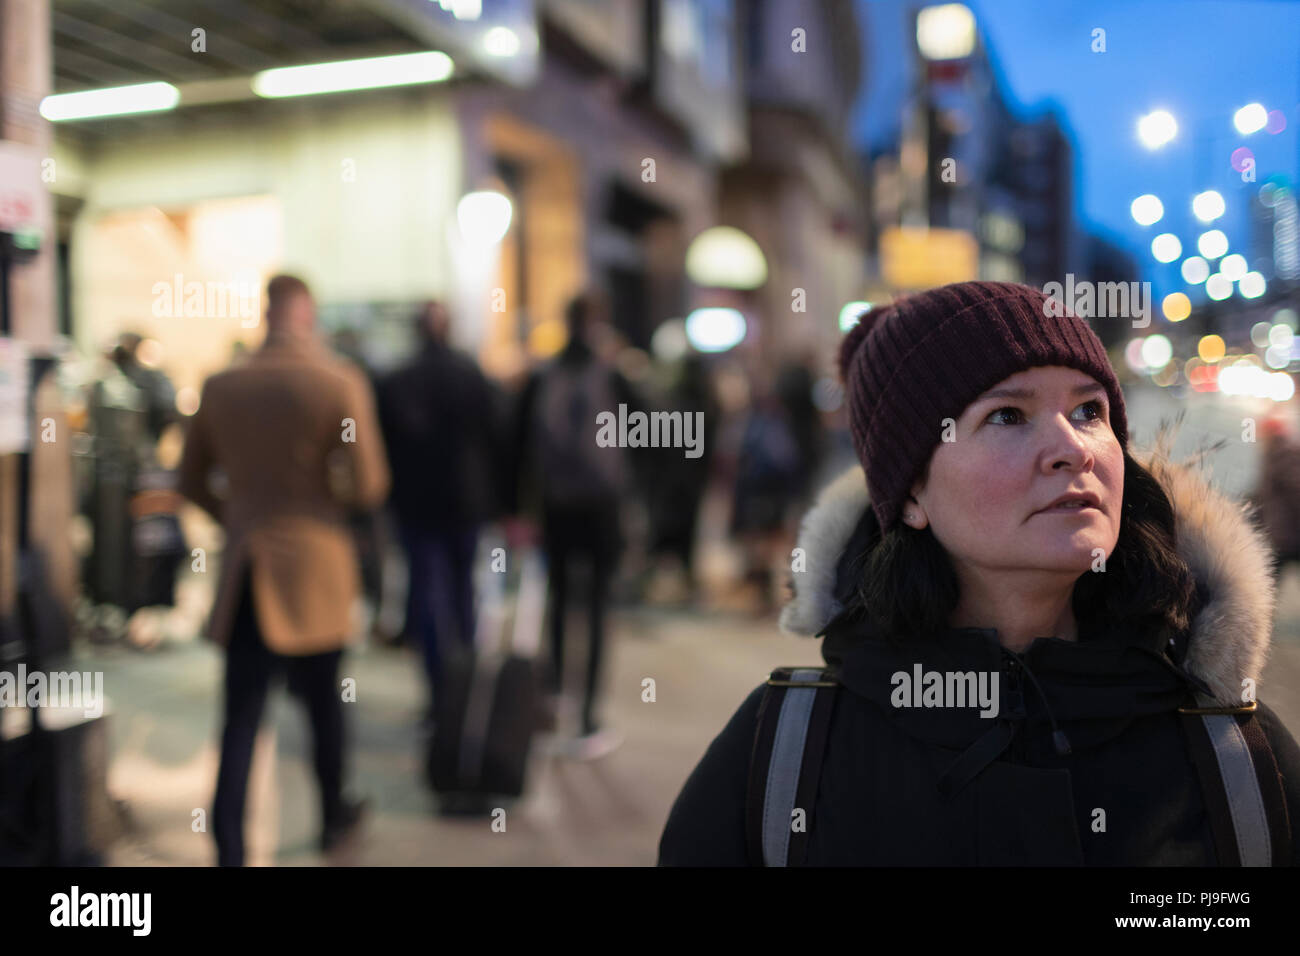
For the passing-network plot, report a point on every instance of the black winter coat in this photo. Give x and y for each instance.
(1113, 695)
(444, 429)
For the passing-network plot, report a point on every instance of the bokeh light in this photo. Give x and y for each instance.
(1157, 350)
(1218, 287)
(1157, 128)
(1281, 387)
(1208, 205)
(1210, 348)
(1241, 158)
(1146, 209)
(1212, 244)
(1234, 266)
(484, 216)
(1176, 307)
(1276, 122)
(1166, 247)
(715, 329)
(669, 342)
(1195, 270)
(1252, 285)
(1250, 119)
(1275, 357)
(1133, 355)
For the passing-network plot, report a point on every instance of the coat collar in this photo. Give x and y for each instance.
(1228, 556)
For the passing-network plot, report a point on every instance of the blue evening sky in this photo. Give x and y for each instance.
(1199, 59)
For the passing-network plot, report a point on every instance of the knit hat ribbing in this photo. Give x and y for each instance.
(911, 364)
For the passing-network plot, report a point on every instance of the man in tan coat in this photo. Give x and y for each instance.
(281, 447)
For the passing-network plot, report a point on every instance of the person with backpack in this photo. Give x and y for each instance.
(1042, 648)
(576, 486)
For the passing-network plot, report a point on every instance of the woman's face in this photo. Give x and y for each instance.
(1027, 441)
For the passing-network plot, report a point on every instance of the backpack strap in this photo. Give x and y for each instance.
(785, 765)
(1240, 782)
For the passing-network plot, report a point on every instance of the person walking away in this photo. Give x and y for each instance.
(441, 423)
(293, 430)
(576, 485)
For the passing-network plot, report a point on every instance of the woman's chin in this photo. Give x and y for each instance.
(1077, 553)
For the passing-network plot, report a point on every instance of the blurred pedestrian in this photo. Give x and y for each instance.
(159, 393)
(676, 483)
(293, 432)
(794, 390)
(1278, 492)
(442, 427)
(769, 474)
(576, 485)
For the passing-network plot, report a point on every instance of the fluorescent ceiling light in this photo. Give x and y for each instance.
(401, 70)
(112, 101)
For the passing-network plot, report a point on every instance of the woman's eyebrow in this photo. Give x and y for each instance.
(1025, 393)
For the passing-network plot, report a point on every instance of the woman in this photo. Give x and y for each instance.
(1015, 610)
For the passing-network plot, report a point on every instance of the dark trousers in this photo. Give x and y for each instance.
(440, 599)
(573, 534)
(250, 670)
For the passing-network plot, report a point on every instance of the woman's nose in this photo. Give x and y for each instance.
(1063, 445)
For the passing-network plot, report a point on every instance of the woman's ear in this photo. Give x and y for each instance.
(914, 515)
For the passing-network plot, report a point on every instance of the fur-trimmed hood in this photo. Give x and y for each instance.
(1228, 555)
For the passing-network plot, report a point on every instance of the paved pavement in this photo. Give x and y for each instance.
(164, 725)
(605, 812)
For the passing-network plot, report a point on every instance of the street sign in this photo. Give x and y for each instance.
(13, 396)
(20, 186)
(923, 258)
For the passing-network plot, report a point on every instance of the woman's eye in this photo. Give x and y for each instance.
(1096, 410)
(1013, 416)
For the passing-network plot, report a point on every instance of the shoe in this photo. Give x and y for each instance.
(595, 745)
(351, 818)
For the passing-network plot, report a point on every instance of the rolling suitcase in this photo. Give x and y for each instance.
(490, 704)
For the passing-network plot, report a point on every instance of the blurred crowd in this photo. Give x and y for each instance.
(479, 477)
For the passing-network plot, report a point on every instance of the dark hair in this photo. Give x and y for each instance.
(908, 585)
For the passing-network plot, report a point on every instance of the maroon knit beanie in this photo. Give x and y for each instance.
(909, 365)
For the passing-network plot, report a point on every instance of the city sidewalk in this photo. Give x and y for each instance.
(611, 811)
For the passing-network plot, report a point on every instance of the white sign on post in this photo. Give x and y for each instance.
(13, 396)
(20, 186)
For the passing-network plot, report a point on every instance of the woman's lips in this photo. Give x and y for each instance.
(1067, 509)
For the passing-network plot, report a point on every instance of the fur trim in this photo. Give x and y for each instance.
(1226, 552)
(823, 533)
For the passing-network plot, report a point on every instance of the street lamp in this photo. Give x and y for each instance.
(945, 32)
(483, 216)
